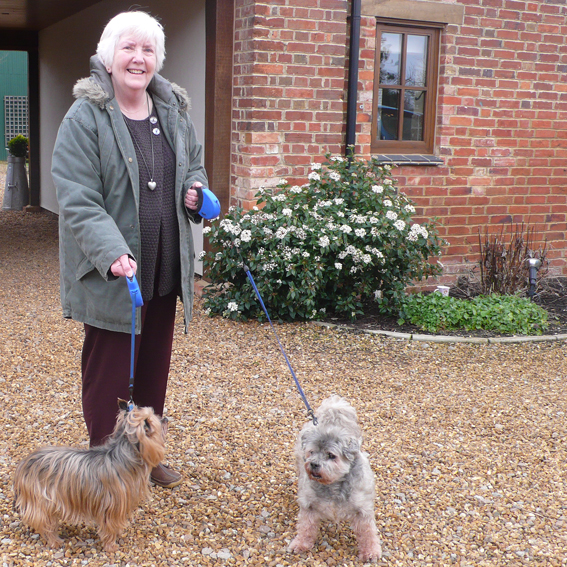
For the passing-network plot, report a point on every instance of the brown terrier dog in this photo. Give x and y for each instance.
(101, 485)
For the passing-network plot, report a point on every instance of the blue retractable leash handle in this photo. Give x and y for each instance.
(210, 208)
(310, 412)
(137, 301)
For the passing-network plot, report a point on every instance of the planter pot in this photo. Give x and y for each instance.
(16, 193)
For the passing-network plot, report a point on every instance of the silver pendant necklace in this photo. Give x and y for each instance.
(155, 131)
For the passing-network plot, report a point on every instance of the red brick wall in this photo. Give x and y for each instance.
(502, 113)
(289, 90)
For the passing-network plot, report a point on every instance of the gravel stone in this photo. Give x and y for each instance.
(467, 441)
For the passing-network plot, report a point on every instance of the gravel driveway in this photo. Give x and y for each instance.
(468, 442)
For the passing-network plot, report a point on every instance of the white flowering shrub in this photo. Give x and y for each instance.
(324, 248)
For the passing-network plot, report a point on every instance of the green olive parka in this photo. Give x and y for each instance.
(95, 172)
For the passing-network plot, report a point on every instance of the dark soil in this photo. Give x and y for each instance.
(551, 295)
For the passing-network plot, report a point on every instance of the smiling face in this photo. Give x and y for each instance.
(133, 66)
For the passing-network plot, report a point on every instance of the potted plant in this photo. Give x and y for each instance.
(16, 193)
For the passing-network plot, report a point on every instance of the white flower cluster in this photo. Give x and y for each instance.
(228, 226)
(281, 233)
(391, 215)
(335, 176)
(315, 166)
(416, 231)
(377, 189)
(358, 219)
(246, 236)
(314, 176)
(409, 208)
(400, 225)
(301, 232)
(232, 306)
(337, 158)
(376, 252)
(324, 241)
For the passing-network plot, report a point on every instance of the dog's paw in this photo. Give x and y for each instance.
(54, 541)
(110, 547)
(370, 554)
(299, 545)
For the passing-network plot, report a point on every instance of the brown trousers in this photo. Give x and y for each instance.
(106, 366)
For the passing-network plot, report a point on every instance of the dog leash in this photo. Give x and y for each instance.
(137, 301)
(310, 412)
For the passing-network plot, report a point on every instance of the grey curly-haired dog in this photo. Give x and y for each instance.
(335, 479)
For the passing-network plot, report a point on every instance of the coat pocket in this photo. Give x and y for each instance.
(85, 266)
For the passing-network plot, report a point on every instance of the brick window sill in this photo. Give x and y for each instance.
(410, 159)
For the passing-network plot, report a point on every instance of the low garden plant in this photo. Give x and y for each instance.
(345, 237)
(505, 314)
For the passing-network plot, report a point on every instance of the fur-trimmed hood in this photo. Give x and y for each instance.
(98, 88)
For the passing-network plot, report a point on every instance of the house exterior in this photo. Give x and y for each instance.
(466, 99)
(496, 150)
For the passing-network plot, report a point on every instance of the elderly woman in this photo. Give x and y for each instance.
(128, 173)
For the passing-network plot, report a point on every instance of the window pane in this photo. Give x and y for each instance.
(388, 113)
(416, 60)
(390, 59)
(414, 105)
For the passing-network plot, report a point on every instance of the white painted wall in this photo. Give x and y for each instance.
(64, 52)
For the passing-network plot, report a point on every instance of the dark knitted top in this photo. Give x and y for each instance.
(159, 266)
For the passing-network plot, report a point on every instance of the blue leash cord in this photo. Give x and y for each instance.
(137, 301)
(310, 412)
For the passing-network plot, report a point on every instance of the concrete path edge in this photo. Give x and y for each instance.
(448, 339)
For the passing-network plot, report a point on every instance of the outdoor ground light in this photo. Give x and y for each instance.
(534, 265)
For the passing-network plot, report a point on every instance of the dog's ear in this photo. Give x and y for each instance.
(351, 448)
(307, 437)
(122, 404)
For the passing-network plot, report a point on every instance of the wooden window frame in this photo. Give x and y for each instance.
(427, 145)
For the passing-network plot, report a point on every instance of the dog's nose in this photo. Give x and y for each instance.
(315, 467)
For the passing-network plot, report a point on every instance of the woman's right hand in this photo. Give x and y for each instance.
(124, 266)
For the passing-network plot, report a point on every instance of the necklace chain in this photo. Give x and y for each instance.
(151, 182)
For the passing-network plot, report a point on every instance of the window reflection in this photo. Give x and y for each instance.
(416, 60)
(414, 106)
(388, 114)
(390, 59)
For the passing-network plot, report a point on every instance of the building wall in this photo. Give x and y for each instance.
(502, 120)
(289, 90)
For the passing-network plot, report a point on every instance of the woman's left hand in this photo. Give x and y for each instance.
(192, 197)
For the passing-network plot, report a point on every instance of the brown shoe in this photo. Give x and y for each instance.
(166, 477)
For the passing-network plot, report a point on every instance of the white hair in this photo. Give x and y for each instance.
(139, 24)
